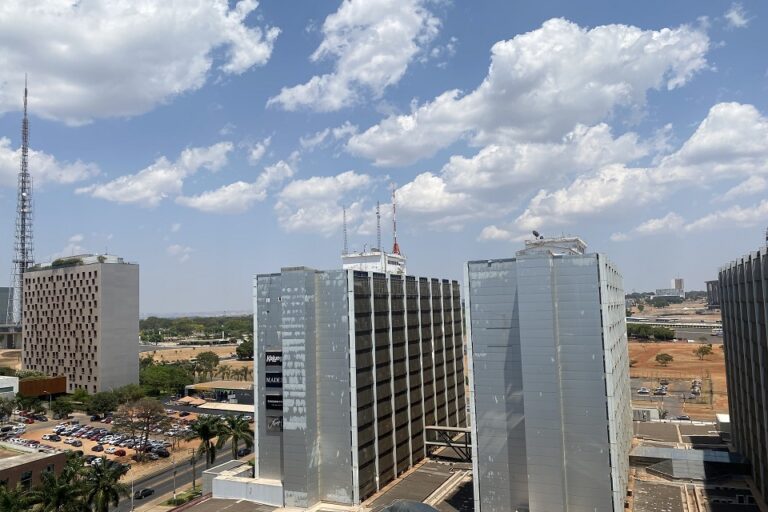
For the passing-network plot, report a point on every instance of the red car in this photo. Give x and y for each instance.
(120, 453)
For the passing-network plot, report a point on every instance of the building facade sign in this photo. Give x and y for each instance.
(274, 357)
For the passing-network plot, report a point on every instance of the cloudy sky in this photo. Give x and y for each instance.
(211, 140)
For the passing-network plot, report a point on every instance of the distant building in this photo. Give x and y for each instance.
(550, 394)
(669, 292)
(81, 321)
(745, 336)
(678, 284)
(5, 295)
(713, 294)
(350, 367)
(374, 260)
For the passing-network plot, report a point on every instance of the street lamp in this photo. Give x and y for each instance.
(132, 482)
(192, 461)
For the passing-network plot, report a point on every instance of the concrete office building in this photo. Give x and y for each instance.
(745, 335)
(350, 367)
(549, 382)
(713, 294)
(81, 321)
(678, 283)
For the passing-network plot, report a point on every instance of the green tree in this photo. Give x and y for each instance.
(102, 402)
(15, 500)
(245, 350)
(62, 407)
(146, 361)
(7, 405)
(103, 487)
(139, 419)
(128, 393)
(60, 493)
(237, 430)
(165, 379)
(703, 351)
(29, 403)
(641, 307)
(207, 362)
(663, 333)
(80, 398)
(5, 371)
(206, 429)
(664, 359)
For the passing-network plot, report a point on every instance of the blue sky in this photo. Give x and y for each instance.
(209, 141)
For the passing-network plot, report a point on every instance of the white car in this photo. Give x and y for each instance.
(111, 450)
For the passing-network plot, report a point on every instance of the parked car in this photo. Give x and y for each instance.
(97, 448)
(95, 417)
(120, 453)
(183, 414)
(684, 417)
(144, 493)
(111, 450)
(242, 452)
(643, 391)
(77, 443)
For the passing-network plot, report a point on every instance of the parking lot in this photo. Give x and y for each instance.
(678, 395)
(95, 440)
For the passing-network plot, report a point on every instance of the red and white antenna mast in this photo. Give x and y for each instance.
(395, 246)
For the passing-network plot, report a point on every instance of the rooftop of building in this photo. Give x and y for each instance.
(17, 458)
(221, 384)
(79, 260)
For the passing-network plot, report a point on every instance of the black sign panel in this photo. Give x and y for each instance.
(274, 357)
(274, 423)
(275, 402)
(274, 380)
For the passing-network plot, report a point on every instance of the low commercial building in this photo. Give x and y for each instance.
(669, 292)
(550, 394)
(26, 469)
(230, 391)
(81, 321)
(350, 368)
(9, 386)
(43, 387)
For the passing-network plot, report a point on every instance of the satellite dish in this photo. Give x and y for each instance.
(535, 234)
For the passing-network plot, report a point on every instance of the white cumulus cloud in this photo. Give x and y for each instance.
(736, 16)
(240, 196)
(371, 43)
(162, 179)
(94, 59)
(43, 167)
(540, 85)
(182, 253)
(314, 204)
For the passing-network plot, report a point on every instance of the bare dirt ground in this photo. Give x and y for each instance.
(180, 354)
(685, 367)
(687, 311)
(10, 359)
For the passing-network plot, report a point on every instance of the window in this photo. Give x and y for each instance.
(26, 480)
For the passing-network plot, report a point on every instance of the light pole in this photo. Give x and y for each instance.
(132, 482)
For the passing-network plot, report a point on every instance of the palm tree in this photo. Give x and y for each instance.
(237, 429)
(15, 500)
(224, 371)
(58, 493)
(103, 487)
(207, 428)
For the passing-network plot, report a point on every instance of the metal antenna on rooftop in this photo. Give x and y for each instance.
(344, 220)
(23, 258)
(395, 246)
(378, 225)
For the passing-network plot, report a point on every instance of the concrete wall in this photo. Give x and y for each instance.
(5, 293)
(118, 334)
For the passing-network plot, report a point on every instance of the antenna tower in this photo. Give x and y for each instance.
(344, 220)
(395, 246)
(378, 225)
(23, 258)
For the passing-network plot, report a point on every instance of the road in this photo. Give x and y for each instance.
(695, 334)
(163, 483)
